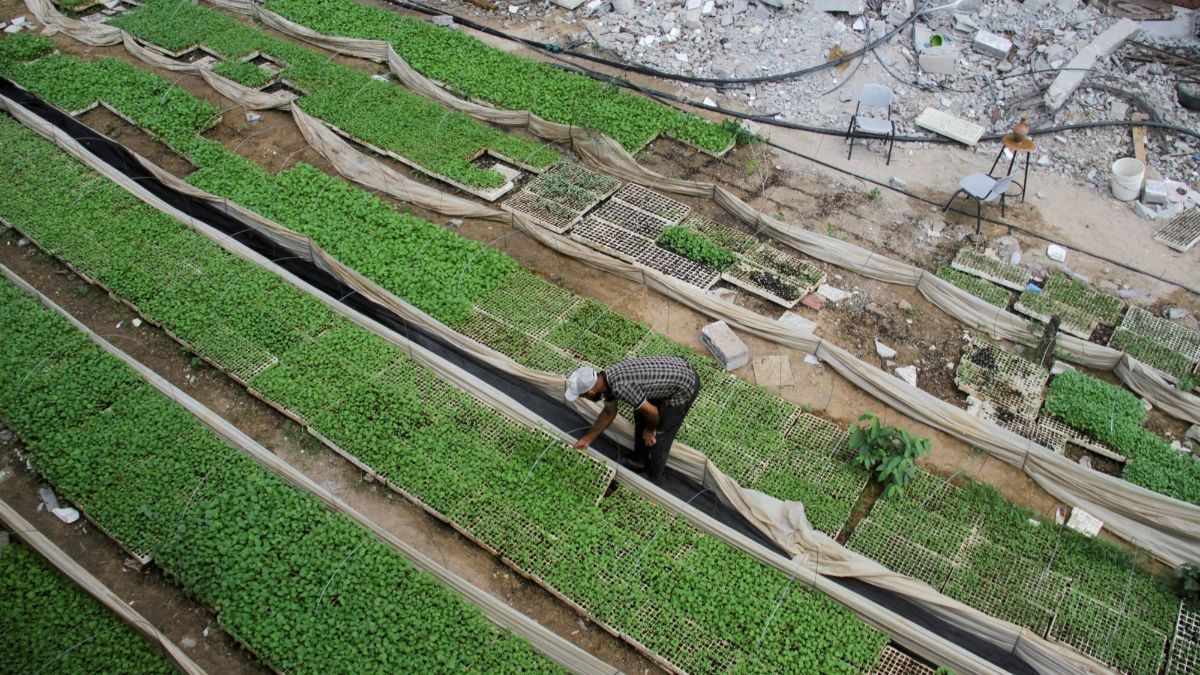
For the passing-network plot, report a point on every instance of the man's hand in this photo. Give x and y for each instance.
(649, 437)
(583, 443)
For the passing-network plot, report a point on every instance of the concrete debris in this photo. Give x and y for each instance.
(137, 323)
(22, 242)
(48, 498)
(908, 374)
(1085, 461)
(904, 306)
(796, 322)
(1193, 433)
(623, 6)
(1132, 293)
(1078, 68)
(1056, 253)
(812, 360)
(445, 20)
(254, 118)
(188, 642)
(1154, 192)
(939, 60)
(851, 7)
(897, 182)
(813, 301)
(832, 294)
(884, 351)
(992, 45)
(1084, 522)
(455, 222)
(6, 435)
(1176, 445)
(725, 345)
(1175, 313)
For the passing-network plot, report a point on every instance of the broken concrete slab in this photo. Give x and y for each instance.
(1069, 79)
(622, 6)
(796, 322)
(992, 45)
(939, 60)
(773, 371)
(1085, 523)
(445, 20)
(884, 351)
(907, 373)
(851, 7)
(831, 293)
(725, 345)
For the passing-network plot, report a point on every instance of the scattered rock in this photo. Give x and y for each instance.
(884, 351)
(905, 306)
(623, 6)
(1060, 367)
(725, 345)
(188, 642)
(1056, 253)
(445, 20)
(6, 436)
(832, 294)
(1175, 313)
(1193, 433)
(908, 374)
(1132, 293)
(22, 242)
(253, 117)
(48, 498)
(137, 323)
(1085, 462)
(812, 360)
(897, 182)
(66, 514)
(795, 321)
(455, 222)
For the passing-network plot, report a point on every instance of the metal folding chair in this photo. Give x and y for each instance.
(872, 96)
(984, 190)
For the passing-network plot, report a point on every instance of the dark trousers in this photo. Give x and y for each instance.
(670, 418)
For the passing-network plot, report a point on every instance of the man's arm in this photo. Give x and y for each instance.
(650, 422)
(604, 419)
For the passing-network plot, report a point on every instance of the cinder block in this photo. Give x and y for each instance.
(991, 44)
(1155, 192)
(939, 60)
(725, 346)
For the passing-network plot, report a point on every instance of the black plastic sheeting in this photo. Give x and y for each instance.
(546, 407)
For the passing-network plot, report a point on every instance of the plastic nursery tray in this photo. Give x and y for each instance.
(1067, 326)
(652, 202)
(681, 268)
(900, 554)
(1162, 331)
(550, 215)
(1185, 647)
(611, 240)
(987, 267)
(723, 235)
(742, 276)
(631, 218)
(1092, 635)
(1001, 377)
(1182, 232)
(892, 661)
(786, 265)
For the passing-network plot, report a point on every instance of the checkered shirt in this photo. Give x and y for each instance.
(670, 379)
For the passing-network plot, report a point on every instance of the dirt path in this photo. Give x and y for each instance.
(286, 439)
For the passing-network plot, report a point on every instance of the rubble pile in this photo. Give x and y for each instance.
(985, 61)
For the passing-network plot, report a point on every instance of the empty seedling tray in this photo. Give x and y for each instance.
(1182, 232)
(652, 202)
(631, 218)
(662, 260)
(611, 240)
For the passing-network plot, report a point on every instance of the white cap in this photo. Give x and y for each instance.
(580, 382)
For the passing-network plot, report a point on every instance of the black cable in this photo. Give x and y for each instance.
(1002, 223)
(652, 72)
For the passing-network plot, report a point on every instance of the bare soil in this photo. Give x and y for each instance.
(154, 348)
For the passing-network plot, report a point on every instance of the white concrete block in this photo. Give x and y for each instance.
(795, 321)
(725, 345)
(908, 374)
(884, 351)
(831, 293)
(939, 60)
(1078, 68)
(1155, 192)
(1083, 522)
(993, 45)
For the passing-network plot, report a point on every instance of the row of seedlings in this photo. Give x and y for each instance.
(437, 270)
(475, 70)
(297, 585)
(523, 494)
(971, 545)
(388, 119)
(41, 618)
(1170, 348)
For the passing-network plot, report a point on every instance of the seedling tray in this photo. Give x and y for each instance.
(550, 215)
(1185, 646)
(1073, 322)
(681, 268)
(631, 218)
(1163, 331)
(899, 554)
(1001, 377)
(1089, 626)
(1182, 232)
(597, 183)
(722, 235)
(611, 240)
(754, 279)
(788, 266)
(987, 267)
(892, 661)
(652, 202)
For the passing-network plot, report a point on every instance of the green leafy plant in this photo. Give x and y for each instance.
(890, 452)
(25, 47)
(873, 194)
(1189, 582)
(695, 246)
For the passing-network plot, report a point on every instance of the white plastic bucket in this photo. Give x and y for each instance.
(1126, 179)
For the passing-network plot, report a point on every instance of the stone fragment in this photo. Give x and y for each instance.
(445, 20)
(897, 181)
(812, 360)
(1078, 68)
(992, 45)
(622, 6)
(707, 9)
(1145, 211)
(725, 345)
(1084, 522)
(796, 322)
(908, 374)
(832, 294)
(851, 7)
(884, 351)
(188, 642)
(939, 60)
(813, 301)
(1060, 367)
(66, 514)
(1193, 433)
(1155, 192)
(740, 6)
(1175, 313)
(1132, 293)
(1056, 253)
(48, 498)
(905, 306)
